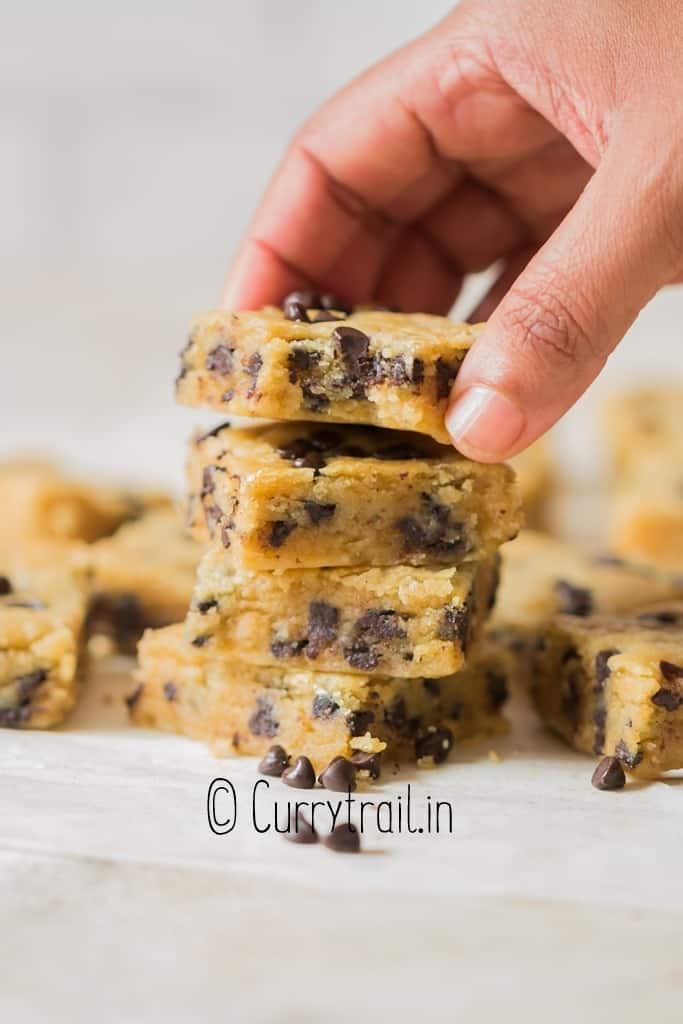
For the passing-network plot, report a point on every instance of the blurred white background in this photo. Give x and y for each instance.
(138, 137)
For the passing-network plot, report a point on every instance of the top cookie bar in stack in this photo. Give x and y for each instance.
(318, 360)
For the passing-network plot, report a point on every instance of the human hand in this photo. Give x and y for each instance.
(543, 135)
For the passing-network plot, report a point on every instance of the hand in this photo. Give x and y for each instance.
(545, 135)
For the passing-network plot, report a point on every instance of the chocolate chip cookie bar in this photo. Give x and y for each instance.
(290, 495)
(44, 596)
(40, 502)
(240, 708)
(143, 576)
(641, 422)
(307, 363)
(612, 684)
(398, 620)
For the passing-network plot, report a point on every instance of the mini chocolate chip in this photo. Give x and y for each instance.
(660, 618)
(170, 691)
(602, 669)
(317, 511)
(214, 433)
(667, 699)
(378, 625)
(208, 481)
(5, 586)
(279, 532)
(497, 688)
(445, 377)
(303, 454)
(295, 311)
(262, 722)
(370, 763)
(344, 838)
(455, 625)
(609, 774)
(361, 656)
(573, 600)
(201, 641)
(133, 698)
(354, 345)
(671, 672)
(220, 360)
(306, 297)
(329, 301)
(324, 706)
(626, 757)
(303, 832)
(206, 606)
(340, 775)
(434, 532)
(286, 648)
(435, 743)
(313, 400)
(252, 368)
(300, 774)
(274, 761)
(359, 722)
(418, 372)
(323, 624)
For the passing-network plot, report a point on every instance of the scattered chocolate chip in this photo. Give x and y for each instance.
(609, 774)
(295, 311)
(376, 628)
(455, 625)
(201, 641)
(286, 648)
(497, 688)
(359, 722)
(215, 432)
(279, 532)
(305, 297)
(626, 757)
(220, 360)
(206, 606)
(5, 586)
(573, 600)
(667, 699)
(324, 706)
(133, 698)
(303, 454)
(170, 691)
(252, 369)
(602, 669)
(323, 624)
(370, 763)
(303, 832)
(433, 531)
(274, 761)
(318, 511)
(344, 838)
(262, 722)
(313, 400)
(417, 374)
(340, 775)
(299, 361)
(300, 774)
(445, 377)
(354, 346)
(329, 301)
(659, 618)
(395, 714)
(435, 743)
(671, 673)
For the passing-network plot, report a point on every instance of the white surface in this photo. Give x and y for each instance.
(137, 139)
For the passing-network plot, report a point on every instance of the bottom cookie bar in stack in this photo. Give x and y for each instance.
(243, 709)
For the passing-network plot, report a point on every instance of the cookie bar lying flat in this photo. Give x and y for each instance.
(143, 576)
(542, 576)
(397, 620)
(40, 502)
(43, 604)
(371, 367)
(243, 709)
(292, 495)
(613, 685)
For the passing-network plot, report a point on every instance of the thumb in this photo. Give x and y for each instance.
(552, 333)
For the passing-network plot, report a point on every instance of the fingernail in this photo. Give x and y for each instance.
(485, 422)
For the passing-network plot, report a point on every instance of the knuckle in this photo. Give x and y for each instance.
(544, 326)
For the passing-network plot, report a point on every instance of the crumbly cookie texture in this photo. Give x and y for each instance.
(367, 367)
(613, 684)
(639, 422)
(41, 503)
(542, 576)
(298, 495)
(240, 708)
(397, 620)
(44, 593)
(534, 471)
(143, 576)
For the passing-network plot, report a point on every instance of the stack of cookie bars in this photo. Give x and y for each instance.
(352, 552)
